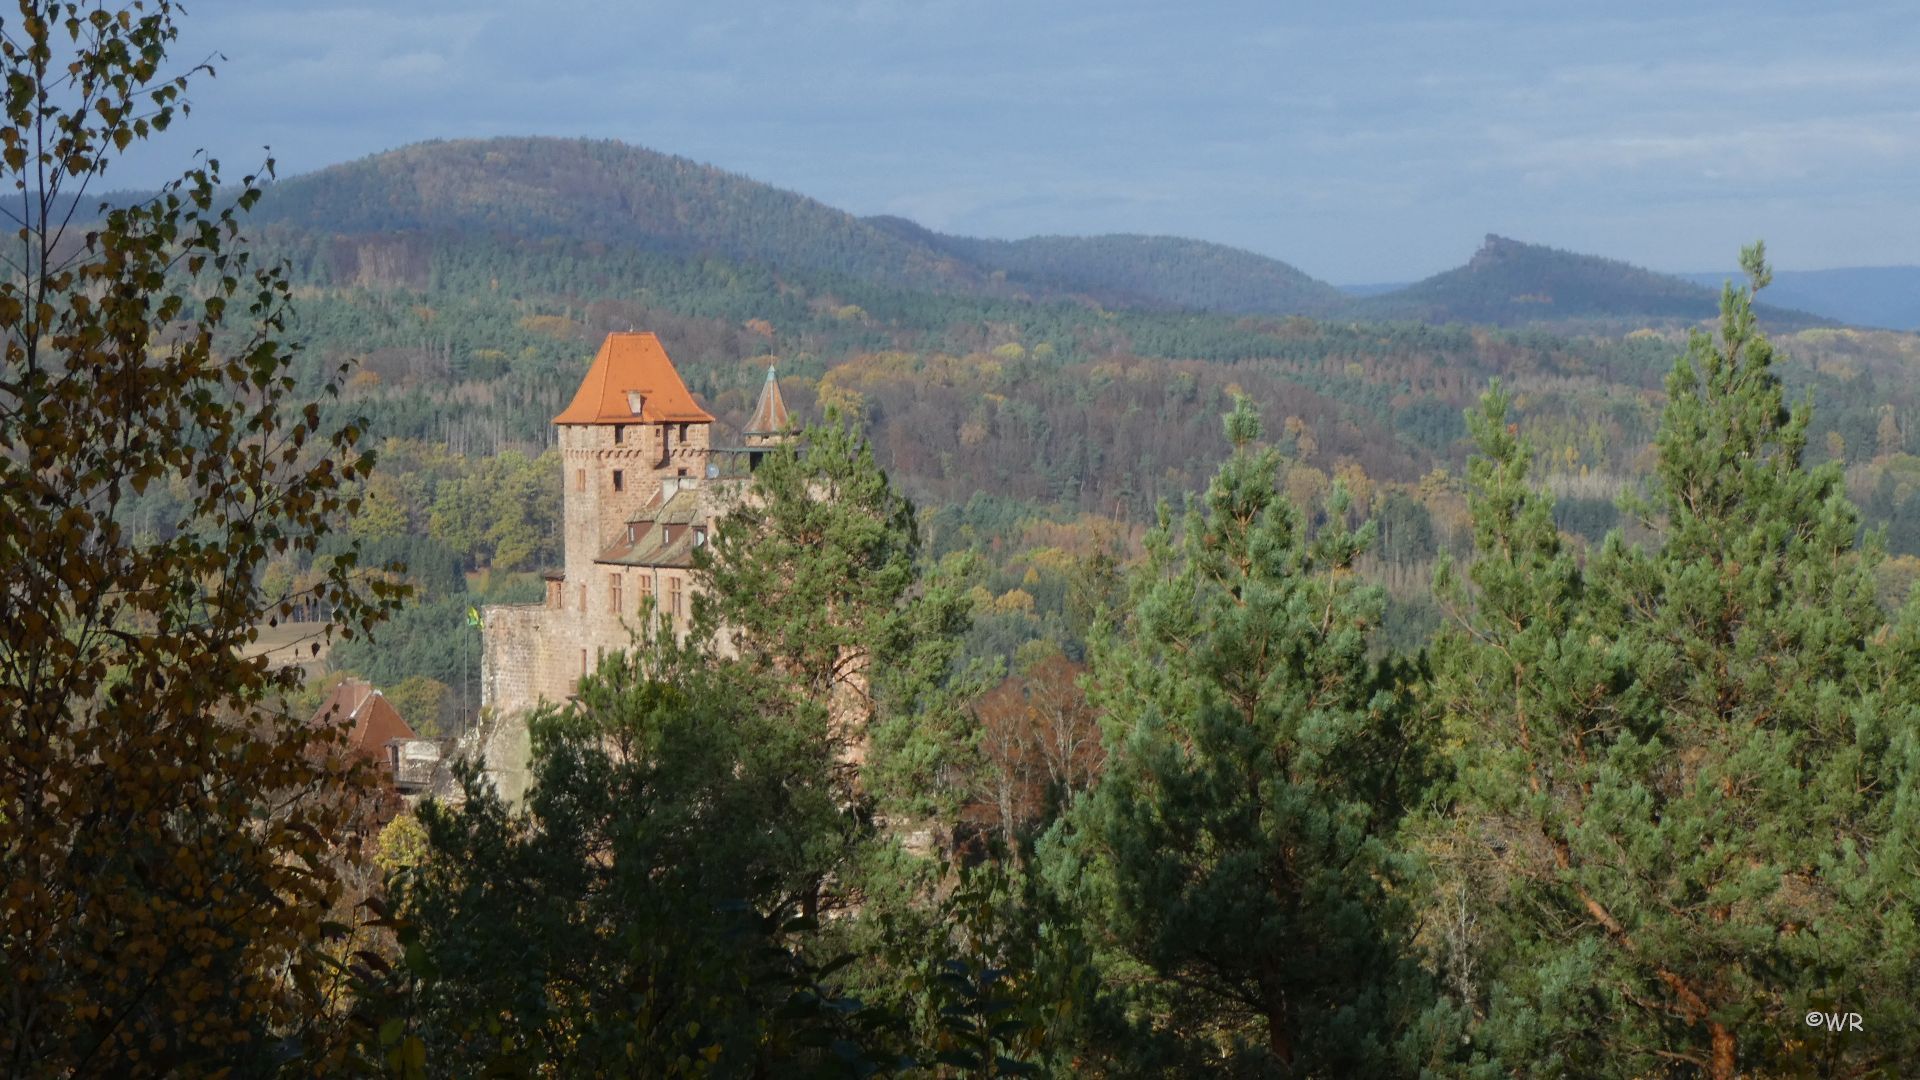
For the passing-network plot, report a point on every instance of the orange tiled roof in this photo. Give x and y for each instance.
(626, 362)
(370, 718)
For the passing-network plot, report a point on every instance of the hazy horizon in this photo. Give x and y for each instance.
(1363, 149)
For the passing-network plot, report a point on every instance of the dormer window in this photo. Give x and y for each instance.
(699, 535)
(636, 402)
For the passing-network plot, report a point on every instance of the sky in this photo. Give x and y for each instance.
(1365, 141)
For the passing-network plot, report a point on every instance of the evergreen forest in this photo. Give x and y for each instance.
(1516, 674)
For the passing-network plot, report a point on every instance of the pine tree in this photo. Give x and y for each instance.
(817, 575)
(1687, 767)
(640, 914)
(1241, 844)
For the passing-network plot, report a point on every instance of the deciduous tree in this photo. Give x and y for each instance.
(166, 833)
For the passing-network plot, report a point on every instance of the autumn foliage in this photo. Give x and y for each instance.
(169, 839)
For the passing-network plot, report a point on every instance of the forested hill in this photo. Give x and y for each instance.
(1127, 270)
(1509, 283)
(608, 193)
(595, 198)
(604, 194)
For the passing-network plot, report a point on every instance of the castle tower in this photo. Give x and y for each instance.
(642, 489)
(768, 424)
(631, 427)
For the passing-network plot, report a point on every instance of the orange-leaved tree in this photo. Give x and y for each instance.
(169, 838)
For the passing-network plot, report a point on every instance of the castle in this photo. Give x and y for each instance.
(642, 486)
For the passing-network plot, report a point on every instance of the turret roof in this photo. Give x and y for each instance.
(770, 415)
(632, 361)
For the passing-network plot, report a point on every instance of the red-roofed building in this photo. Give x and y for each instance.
(643, 484)
(370, 719)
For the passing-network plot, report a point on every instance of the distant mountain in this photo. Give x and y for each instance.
(601, 192)
(383, 217)
(1127, 270)
(1887, 297)
(1373, 289)
(1509, 283)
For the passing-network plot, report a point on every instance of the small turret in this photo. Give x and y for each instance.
(768, 426)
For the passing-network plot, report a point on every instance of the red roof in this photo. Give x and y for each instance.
(632, 361)
(370, 719)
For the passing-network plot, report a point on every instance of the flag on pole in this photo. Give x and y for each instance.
(473, 616)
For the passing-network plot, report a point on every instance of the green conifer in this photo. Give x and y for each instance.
(1241, 846)
(1685, 766)
(816, 576)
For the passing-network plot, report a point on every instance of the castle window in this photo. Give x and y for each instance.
(619, 480)
(619, 433)
(613, 597)
(583, 596)
(673, 585)
(683, 432)
(583, 663)
(579, 479)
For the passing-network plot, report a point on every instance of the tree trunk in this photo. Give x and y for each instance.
(1279, 1036)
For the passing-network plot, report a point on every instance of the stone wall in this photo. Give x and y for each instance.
(521, 663)
(538, 652)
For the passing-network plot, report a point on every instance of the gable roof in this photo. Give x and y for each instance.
(770, 415)
(662, 533)
(632, 361)
(370, 719)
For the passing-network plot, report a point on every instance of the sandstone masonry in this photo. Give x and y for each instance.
(643, 485)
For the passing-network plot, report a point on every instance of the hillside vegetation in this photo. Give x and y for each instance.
(1028, 421)
(1153, 271)
(607, 198)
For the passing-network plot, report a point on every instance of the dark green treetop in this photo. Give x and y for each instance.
(1684, 765)
(1239, 853)
(817, 575)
